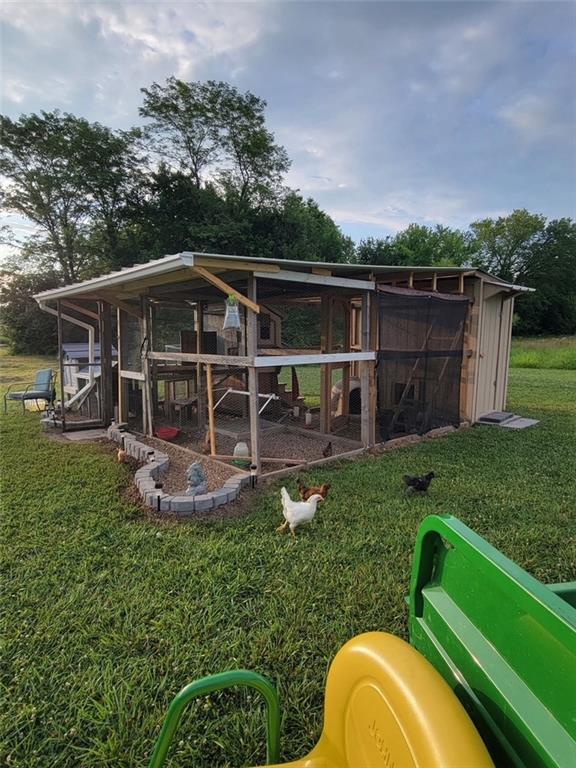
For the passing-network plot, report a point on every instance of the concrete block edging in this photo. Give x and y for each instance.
(157, 464)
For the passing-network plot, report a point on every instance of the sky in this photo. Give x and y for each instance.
(391, 112)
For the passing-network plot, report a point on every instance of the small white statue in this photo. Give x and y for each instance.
(197, 481)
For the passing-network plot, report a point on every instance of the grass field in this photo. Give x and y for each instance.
(544, 352)
(106, 615)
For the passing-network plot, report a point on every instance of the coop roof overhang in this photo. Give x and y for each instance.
(170, 271)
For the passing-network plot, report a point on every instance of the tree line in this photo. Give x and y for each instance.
(204, 173)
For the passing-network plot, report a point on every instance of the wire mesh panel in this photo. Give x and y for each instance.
(80, 387)
(130, 342)
(209, 407)
(291, 423)
(170, 320)
(296, 324)
(175, 324)
(419, 361)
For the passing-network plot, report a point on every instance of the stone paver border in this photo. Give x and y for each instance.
(156, 465)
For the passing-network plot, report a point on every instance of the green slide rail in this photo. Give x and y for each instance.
(505, 642)
(206, 685)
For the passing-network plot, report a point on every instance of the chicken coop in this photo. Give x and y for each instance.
(272, 364)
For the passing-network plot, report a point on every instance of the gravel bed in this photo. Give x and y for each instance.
(174, 481)
(294, 445)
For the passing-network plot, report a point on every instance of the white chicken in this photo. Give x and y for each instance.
(297, 512)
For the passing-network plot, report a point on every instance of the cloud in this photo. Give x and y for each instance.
(75, 54)
(436, 112)
(539, 117)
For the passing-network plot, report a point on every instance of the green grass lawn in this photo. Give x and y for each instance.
(544, 352)
(106, 615)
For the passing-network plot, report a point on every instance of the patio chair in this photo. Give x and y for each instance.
(41, 389)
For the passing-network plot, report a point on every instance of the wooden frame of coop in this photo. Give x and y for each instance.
(165, 319)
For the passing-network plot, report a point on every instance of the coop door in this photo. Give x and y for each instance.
(419, 360)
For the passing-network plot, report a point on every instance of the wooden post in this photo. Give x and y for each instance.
(147, 384)
(367, 418)
(121, 399)
(461, 282)
(435, 281)
(252, 346)
(199, 349)
(326, 309)
(347, 306)
(211, 429)
(411, 280)
(61, 362)
(479, 321)
(106, 394)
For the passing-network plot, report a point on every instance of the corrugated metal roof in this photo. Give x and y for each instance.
(183, 261)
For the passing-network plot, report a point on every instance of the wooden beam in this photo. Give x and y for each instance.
(227, 289)
(134, 288)
(411, 280)
(320, 271)
(211, 431)
(264, 459)
(309, 278)
(78, 308)
(132, 375)
(461, 283)
(272, 476)
(435, 281)
(227, 265)
(119, 304)
(185, 357)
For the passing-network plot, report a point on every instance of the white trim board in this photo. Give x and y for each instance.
(321, 359)
(290, 276)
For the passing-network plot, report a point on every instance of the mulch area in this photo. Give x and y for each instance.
(174, 481)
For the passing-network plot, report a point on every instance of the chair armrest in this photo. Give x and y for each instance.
(20, 390)
(219, 682)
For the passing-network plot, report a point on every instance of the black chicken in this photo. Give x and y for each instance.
(328, 451)
(416, 484)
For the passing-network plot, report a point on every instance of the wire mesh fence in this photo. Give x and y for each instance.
(175, 324)
(79, 394)
(209, 408)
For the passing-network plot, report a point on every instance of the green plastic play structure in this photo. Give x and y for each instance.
(503, 642)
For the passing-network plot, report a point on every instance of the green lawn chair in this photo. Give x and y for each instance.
(41, 389)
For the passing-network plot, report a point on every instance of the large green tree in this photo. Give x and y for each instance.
(177, 215)
(502, 245)
(550, 267)
(71, 179)
(216, 134)
(417, 245)
(27, 328)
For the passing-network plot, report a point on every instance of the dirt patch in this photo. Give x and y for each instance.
(174, 481)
